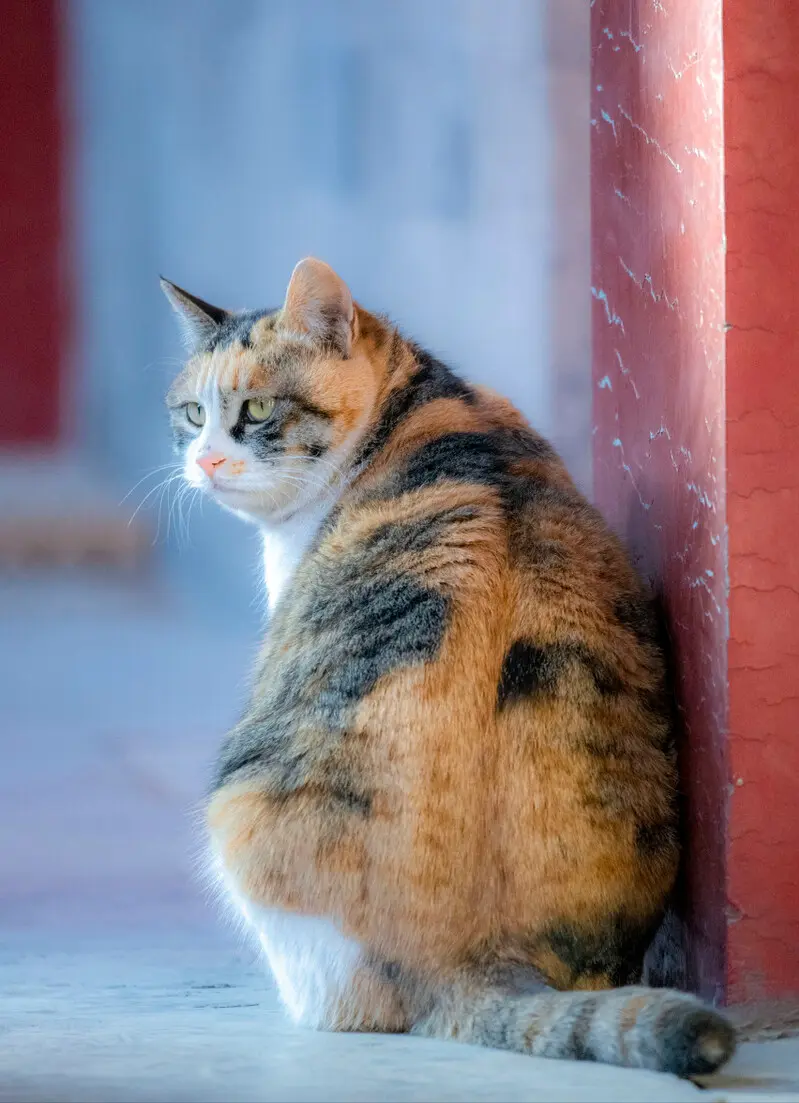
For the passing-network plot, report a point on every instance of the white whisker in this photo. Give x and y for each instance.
(166, 487)
(149, 494)
(148, 475)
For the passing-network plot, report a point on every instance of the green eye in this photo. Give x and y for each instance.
(195, 413)
(259, 409)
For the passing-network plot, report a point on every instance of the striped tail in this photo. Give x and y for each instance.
(643, 1028)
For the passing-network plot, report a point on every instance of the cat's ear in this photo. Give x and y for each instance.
(198, 319)
(319, 305)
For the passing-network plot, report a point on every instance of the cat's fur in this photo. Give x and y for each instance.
(449, 807)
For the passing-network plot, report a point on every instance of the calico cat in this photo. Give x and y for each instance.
(449, 807)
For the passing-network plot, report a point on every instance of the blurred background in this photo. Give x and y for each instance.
(435, 152)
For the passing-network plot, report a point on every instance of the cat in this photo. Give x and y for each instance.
(450, 805)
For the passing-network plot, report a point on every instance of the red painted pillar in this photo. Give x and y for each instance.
(658, 288)
(696, 430)
(32, 315)
(761, 104)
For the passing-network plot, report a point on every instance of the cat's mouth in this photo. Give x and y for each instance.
(227, 490)
(263, 499)
(256, 498)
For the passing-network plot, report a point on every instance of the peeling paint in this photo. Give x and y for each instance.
(645, 284)
(661, 432)
(650, 141)
(626, 467)
(626, 373)
(612, 316)
(606, 118)
(637, 46)
(692, 60)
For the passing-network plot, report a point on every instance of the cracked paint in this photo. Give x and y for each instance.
(606, 118)
(645, 284)
(637, 46)
(660, 446)
(626, 373)
(650, 141)
(612, 316)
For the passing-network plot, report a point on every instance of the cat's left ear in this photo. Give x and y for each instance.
(198, 319)
(319, 305)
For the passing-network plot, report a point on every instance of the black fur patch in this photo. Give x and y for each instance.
(268, 432)
(462, 457)
(614, 949)
(528, 670)
(235, 327)
(432, 380)
(643, 616)
(636, 613)
(418, 535)
(309, 407)
(655, 839)
(360, 621)
(486, 459)
(352, 801)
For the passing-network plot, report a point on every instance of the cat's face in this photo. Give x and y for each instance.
(271, 405)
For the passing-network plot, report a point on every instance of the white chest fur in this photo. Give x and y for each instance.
(311, 960)
(285, 545)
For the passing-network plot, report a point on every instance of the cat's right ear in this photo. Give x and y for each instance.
(319, 304)
(198, 319)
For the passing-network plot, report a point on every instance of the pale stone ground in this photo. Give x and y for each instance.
(119, 981)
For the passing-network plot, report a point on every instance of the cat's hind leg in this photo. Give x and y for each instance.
(324, 979)
(293, 867)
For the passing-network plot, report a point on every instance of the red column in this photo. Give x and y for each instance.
(32, 317)
(761, 103)
(658, 289)
(696, 421)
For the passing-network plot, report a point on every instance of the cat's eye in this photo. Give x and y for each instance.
(195, 413)
(259, 409)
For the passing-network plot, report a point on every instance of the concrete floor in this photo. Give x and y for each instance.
(120, 981)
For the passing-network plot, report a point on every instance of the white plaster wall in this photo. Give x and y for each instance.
(404, 141)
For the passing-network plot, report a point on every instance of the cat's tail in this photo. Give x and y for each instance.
(644, 1028)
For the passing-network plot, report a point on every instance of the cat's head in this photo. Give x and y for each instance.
(271, 404)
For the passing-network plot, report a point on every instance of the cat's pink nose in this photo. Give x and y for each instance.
(210, 461)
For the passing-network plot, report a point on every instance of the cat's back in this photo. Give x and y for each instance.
(559, 655)
(460, 508)
(466, 633)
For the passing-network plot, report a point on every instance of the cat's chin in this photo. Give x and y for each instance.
(257, 507)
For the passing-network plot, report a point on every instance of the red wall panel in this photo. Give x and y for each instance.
(31, 305)
(761, 102)
(658, 290)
